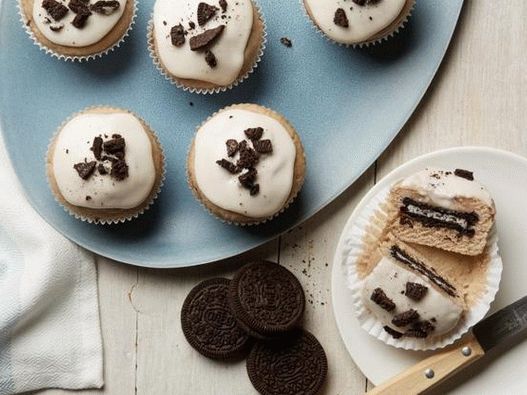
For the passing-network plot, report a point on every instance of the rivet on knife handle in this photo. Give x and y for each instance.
(432, 370)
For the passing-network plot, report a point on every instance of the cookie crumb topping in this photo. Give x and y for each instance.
(340, 18)
(379, 297)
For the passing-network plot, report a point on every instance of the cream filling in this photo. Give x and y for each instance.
(275, 170)
(229, 49)
(364, 21)
(96, 28)
(73, 145)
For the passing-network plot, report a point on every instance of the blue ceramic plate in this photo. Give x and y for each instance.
(346, 104)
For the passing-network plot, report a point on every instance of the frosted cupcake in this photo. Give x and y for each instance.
(246, 164)
(105, 165)
(206, 47)
(77, 29)
(358, 22)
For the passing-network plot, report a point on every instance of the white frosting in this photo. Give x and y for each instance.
(275, 170)
(392, 279)
(73, 145)
(96, 28)
(441, 187)
(229, 49)
(364, 21)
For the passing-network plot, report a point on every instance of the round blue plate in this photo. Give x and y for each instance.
(346, 104)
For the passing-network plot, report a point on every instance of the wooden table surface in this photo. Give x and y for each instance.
(479, 97)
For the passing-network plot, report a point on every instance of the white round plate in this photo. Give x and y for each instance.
(505, 175)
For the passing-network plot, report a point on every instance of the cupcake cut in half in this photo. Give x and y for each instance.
(105, 165)
(448, 210)
(358, 22)
(206, 47)
(246, 164)
(77, 29)
(409, 296)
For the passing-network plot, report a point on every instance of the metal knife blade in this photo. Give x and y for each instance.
(502, 325)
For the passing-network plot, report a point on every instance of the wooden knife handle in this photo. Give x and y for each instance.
(432, 370)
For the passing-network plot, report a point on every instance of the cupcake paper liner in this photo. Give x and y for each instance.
(193, 188)
(174, 81)
(74, 58)
(365, 43)
(369, 224)
(104, 221)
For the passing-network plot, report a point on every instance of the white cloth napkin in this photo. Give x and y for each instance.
(50, 334)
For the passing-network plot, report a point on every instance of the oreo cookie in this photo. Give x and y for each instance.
(208, 323)
(295, 364)
(266, 299)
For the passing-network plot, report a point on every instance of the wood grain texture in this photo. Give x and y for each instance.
(479, 97)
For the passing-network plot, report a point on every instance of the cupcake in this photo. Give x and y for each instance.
(358, 22)
(206, 47)
(409, 296)
(246, 164)
(444, 209)
(77, 29)
(105, 165)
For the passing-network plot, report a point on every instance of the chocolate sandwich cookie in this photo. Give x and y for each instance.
(208, 323)
(266, 299)
(296, 364)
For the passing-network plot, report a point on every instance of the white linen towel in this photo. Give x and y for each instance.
(50, 334)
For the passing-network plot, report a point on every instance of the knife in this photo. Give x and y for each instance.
(502, 326)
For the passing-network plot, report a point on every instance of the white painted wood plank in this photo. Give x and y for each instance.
(167, 364)
(308, 252)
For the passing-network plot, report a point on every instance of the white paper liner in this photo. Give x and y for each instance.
(365, 43)
(174, 81)
(103, 221)
(74, 58)
(290, 200)
(352, 251)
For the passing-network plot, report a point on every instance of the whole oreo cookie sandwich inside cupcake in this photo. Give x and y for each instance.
(105, 165)
(206, 46)
(445, 209)
(77, 29)
(246, 164)
(356, 22)
(409, 296)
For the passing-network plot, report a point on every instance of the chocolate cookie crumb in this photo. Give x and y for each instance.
(248, 156)
(56, 28)
(255, 189)
(223, 5)
(55, 9)
(247, 179)
(360, 2)
(191, 25)
(232, 147)
(379, 297)
(405, 318)
(263, 146)
(80, 20)
(393, 332)
(88, 198)
(254, 133)
(420, 329)
(115, 145)
(211, 60)
(97, 147)
(415, 291)
(102, 170)
(177, 35)
(205, 13)
(119, 170)
(204, 40)
(229, 166)
(286, 42)
(85, 169)
(105, 7)
(340, 18)
(468, 175)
